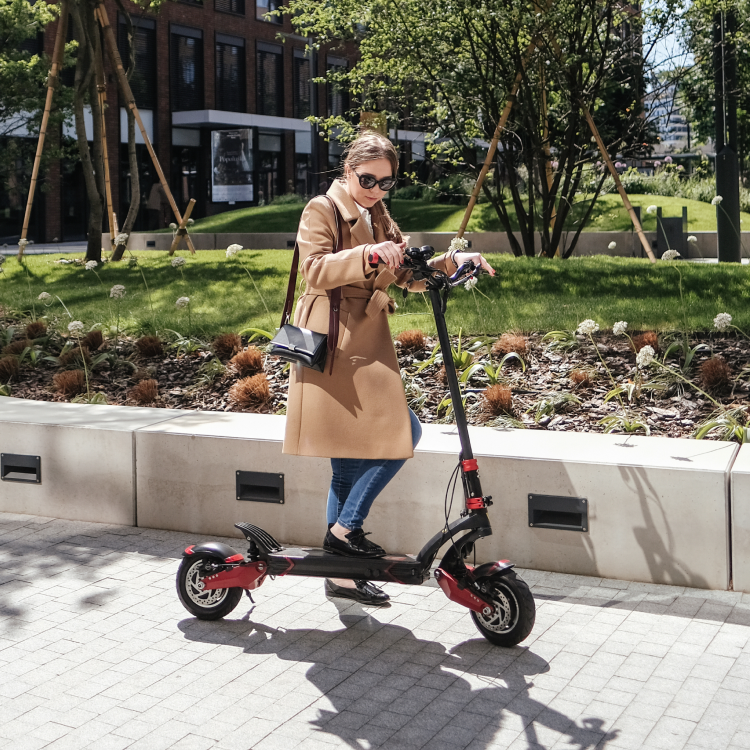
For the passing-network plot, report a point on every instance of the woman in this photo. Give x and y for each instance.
(356, 414)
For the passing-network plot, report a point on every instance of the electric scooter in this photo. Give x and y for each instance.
(212, 576)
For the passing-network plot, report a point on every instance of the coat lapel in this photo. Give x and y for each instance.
(350, 213)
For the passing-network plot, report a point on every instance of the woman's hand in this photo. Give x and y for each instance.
(476, 258)
(391, 253)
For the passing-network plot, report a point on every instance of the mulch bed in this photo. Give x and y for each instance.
(674, 412)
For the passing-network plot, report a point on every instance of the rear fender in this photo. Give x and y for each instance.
(217, 550)
(493, 568)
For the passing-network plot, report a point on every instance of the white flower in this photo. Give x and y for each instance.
(44, 296)
(612, 246)
(22, 243)
(173, 226)
(75, 326)
(232, 250)
(121, 239)
(716, 200)
(692, 238)
(470, 283)
(722, 321)
(619, 328)
(91, 265)
(587, 327)
(645, 356)
(178, 261)
(458, 245)
(651, 210)
(670, 255)
(183, 302)
(2, 259)
(117, 291)
(190, 222)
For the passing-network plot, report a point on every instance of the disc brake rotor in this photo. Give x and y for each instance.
(505, 615)
(196, 591)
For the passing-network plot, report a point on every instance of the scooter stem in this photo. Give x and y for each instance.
(472, 486)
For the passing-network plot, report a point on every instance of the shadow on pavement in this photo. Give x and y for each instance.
(375, 698)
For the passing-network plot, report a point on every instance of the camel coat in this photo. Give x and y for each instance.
(358, 411)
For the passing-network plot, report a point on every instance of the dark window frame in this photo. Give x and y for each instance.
(302, 105)
(227, 100)
(263, 51)
(143, 82)
(232, 7)
(176, 96)
(271, 5)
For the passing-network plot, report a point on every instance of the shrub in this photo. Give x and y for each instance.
(510, 342)
(715, 374)
(15, 348)
(247, 362)
(93, 339)
(226, 345)
(9, 369)
(36, 330)
(411, 341)
(649, 338)
(70, 382)
(581, 377)
(145, 392)
(498, 400)
(288, 199)
(250, 393)
(73, 358)
(149, 346)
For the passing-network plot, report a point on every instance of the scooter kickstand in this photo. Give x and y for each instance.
(249, 596)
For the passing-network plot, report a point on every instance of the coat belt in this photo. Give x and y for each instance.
(378, 299)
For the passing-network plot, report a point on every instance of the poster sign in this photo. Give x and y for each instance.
(232, 165)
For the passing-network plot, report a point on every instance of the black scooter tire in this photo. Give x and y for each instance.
(208, 605)
(515, 612)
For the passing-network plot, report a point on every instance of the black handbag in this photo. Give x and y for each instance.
(299, 345)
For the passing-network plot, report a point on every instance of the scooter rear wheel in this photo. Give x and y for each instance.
(212, 604)
(515, 611)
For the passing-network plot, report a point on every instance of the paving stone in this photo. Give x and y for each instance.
(97, 652)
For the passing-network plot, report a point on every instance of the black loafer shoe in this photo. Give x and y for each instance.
(355, 545)
(365, 543)
(364, 593)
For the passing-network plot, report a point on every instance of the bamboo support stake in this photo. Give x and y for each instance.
(109, 39)
(182, 227)
(489, 159)
(618, 184)
(101, 87)
(58, 56)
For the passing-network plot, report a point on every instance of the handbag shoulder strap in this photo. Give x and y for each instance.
(291, 287)
(335, 296)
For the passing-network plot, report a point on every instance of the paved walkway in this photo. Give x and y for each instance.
(97, 652)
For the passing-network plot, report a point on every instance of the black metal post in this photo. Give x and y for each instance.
(474, 488)
(727, 165)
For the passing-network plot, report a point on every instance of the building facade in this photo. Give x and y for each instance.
(223, 89)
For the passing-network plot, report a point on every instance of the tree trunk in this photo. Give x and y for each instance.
(135, 182)
(84, 83)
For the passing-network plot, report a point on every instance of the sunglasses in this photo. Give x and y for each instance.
(368, 181)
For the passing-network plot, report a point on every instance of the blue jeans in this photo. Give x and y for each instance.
(357, 482)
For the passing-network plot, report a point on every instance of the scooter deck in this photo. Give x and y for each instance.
(316, 562)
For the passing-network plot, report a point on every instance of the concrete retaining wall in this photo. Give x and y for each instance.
(658, 508)
(589, 243)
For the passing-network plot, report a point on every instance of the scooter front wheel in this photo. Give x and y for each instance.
(211, 604)
(513, 617)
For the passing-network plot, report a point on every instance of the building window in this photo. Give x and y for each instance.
(262, 7)
(301, 84)
(269, 85)
(143, 78)
(230, 6)
(230, 73)
(186, 68)
(338, 98)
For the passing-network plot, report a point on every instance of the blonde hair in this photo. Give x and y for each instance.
(370, 145)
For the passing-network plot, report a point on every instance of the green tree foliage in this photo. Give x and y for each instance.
(447, 66)
(23, 77)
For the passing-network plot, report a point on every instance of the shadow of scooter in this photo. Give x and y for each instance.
(384, 683)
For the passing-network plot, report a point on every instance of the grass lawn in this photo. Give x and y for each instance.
(418, 216)
(527, 294)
